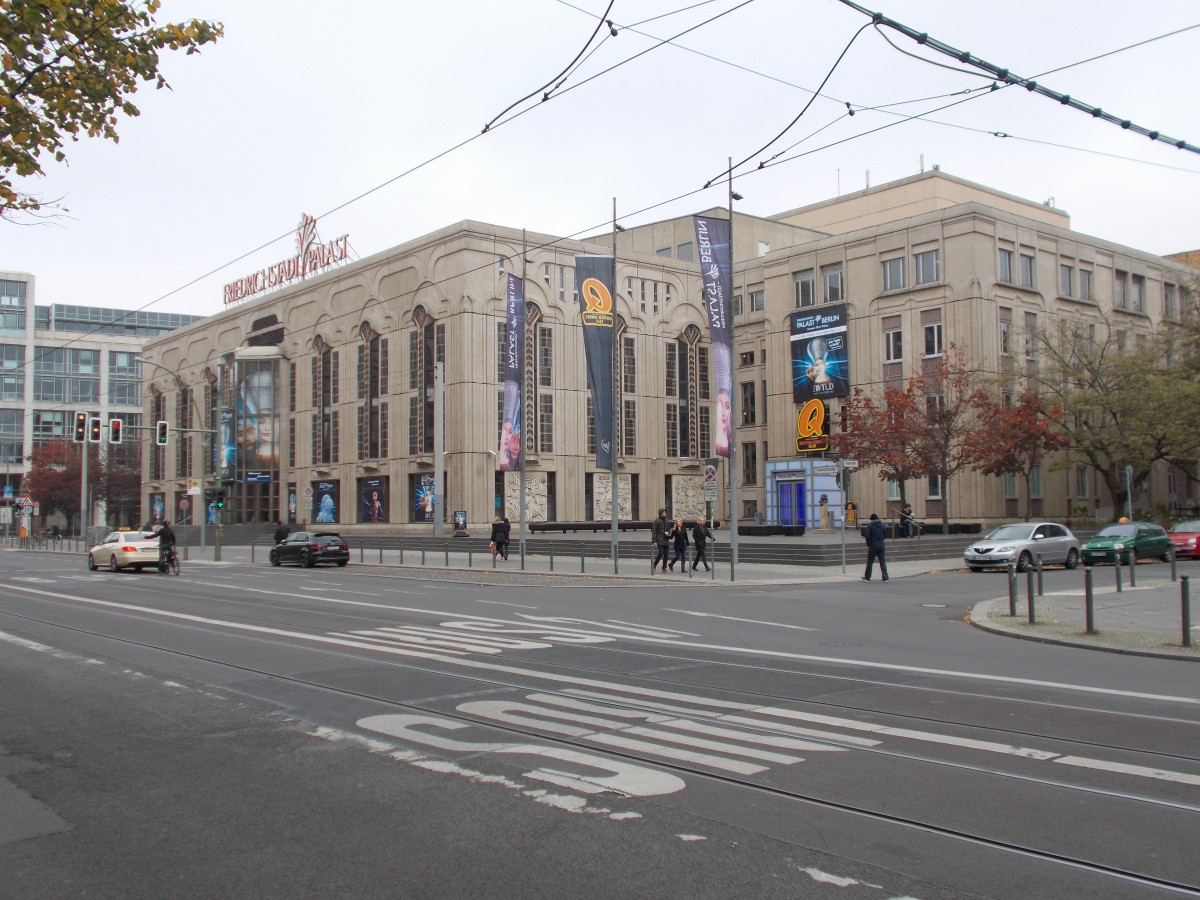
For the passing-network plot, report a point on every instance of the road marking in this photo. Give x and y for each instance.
(1125, 769)
(32, 579)
(502, 603)
(692, 612)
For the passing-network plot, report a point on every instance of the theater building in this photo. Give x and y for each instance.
(319, 392)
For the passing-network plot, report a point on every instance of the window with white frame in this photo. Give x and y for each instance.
(1031, 335)
(893, 274)
(1081, 482)
(893, 345)
(1137, 295)
(1066, 280)
(1035, 481)
(1168, 301)
(934, 487)
(1027, 271)
(832, 286)
(928, 266)
(758, 301)
(806, 292)
(1010, 486)
(737, 304)
(893, 489)
(1005, 338)
(933, 339)
(1085, 284)
(1004, 265)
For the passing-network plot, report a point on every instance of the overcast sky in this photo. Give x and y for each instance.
(305, 106)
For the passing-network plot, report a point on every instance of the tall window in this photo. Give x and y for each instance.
(183, 441)
(372, 389)
(683, 393)
(1004, 265)
(546, 423)
(629, 428)
(831, 283)
(1066, 280)
(1120, 289)
(158, 454)
(12, 372)
(1085, 284)
(928, 269)
(12, 437)
(326, 388)
(806, 290)
(749, 462)
(426, 348)
(1169, 308)
(893, 274)
(893, 345)
(933, 339)
(749, 406)
(1027, 271)
(758, 301)
(1137, 295)
(1031, 334)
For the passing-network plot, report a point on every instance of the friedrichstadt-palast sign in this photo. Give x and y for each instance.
(311, 256)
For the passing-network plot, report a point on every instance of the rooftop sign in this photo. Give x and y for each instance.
(311, 256)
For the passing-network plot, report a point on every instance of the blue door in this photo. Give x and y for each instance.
(791, 502)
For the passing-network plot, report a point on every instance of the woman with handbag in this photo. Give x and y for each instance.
(499, 540)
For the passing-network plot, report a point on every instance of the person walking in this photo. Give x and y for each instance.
(660, 540)
(680, 536)
(875, 533)
(56, 535)
(166, 543)
(281, 532)
(499, 540)
(701, 535)
(507, 536)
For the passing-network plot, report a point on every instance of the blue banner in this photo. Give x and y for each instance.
(820, 360)
(716, 270)
(508, 457)
(595, 276)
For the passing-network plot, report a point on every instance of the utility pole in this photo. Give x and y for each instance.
(439, 445)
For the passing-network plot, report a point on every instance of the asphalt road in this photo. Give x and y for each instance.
(247, 731)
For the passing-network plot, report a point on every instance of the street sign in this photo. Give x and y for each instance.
(194, 487)
(710, 473)
(824, 470)
(849, 463)
(710, 491)
(308, 493)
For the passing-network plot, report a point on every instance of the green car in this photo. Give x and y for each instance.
(1132, 540)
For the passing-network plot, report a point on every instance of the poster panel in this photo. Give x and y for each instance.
(716, 271)
(373, 499)
(595, 276)
(508, 457)
(326, 502)
(820, 361)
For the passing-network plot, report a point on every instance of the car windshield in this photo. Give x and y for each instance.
(1117, 531)
(326, 535)
(1011, 533)
(1186, 527)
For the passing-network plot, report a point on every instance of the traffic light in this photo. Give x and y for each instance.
(114, 431)
(95, 429)
(161, 431)
(81, 426)
(220, 499)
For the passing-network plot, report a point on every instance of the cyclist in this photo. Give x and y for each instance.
(166, 545)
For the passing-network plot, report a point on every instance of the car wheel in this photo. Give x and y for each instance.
(1166, 556)
(307, 561)
(112, 564)
(1024, 561)
(342, 563)
(275, 559)
(92, 567)
(1072, 559)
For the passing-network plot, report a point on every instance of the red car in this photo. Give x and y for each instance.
(1184, 536)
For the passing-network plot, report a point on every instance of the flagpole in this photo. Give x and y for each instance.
(521, 455)
(733, 409)
(616, 398)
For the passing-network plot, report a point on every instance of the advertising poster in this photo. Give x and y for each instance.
(712, 242)
(820, 363)
(227, 447)
(423, 502)
(291, 503)
(249, 443)
(158, 507)
(508, 458)
(325, 502)
(184, 506)
(595, 276)
(373, 499)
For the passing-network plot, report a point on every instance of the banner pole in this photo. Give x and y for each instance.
(733, 411)
(521, 455)
(616, 403)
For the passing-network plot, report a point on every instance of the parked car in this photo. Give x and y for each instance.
(1022, 543)
(1130, 540)
(125, 549)
(1184, 536)
(307, 548)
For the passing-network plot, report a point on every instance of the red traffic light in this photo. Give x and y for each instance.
(114, 431)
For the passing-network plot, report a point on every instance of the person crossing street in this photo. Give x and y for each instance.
(875, 534)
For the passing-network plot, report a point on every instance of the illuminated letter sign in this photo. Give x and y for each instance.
(812, 428)
(311, 256)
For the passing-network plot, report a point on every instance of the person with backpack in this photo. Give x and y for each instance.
(701, 535)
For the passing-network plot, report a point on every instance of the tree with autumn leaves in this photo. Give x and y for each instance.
(55, 477)
(69, 69)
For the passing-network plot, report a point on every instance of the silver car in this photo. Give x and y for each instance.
(1022, 543)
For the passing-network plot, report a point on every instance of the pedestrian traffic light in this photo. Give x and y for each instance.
(81, 426)
(95, 429)
(114, 431)
(160, 433)
(220, 499)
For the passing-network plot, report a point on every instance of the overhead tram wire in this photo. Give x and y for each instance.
(1007, 77)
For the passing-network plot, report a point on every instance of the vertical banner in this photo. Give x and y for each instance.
(716, 270)
(820, 363)
(291, 503)
(257, 427)
(326, 493)
(372, 499)
(508, 458)
(595, 276)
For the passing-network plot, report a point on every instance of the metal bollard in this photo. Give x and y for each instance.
(1174, 577)
(1012, 589)
(1089, 601)
(1117, 569)
(551, 543)
(581, 559)
(402, 554)
(1185, 609)
(1132, 569)
(252, 551)
(446, 547)
(1029, 588)
(470, 563)
(494, 555)
(381, 552)
(361, 549)
(186, 548)
(1041, 593)
(422, 554)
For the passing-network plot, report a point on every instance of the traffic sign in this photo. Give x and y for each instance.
(849, 463)
(194, 487)
(710, 473)
(308, 492)
(710, 491)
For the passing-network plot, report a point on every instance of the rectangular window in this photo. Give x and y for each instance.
(1168, 301)
(501, 349)
(893, 274)
(1137, 296)
(934, 487)
(1035, 481)
(749, 462)
(702, 372)
(749, 410)
(654, 297)
(928, 266)
(1081, 482)
(1066, 280)
(12, 436)
(672, 430)
(1085, 284)
(831, 283)
(746, 358)
(806, 293)
(629, 375)
(758, 301)
(1005, 338)
(1027, 271)
(1004, 266)
(893, 489)
(737, 304)
(663, 251)
(933, 339)
(546, 423)
(629, 430)
(1031, 335)
(292, 442)
(545, 357)
(642, 297)
(1121, 289)
(591, 428)
(893, 345)
(672, 369)
(684, 252)
(416, 417)
(1010, 486)
(705, 432)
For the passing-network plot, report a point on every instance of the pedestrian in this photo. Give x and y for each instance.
(660, 540)
(56, 534)
(507, 537)
(499, 540)
(701, 535)
(680, 536)
(281, 532)
(166, 543)
(875, 533)
(908, 523)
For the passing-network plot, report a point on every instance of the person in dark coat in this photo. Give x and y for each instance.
(499, 539)
(507, 536)
(908, 522)
(875, 533)
(680, 536)
(281, 532)
(166, 543)
(701, 535)
(660, 540)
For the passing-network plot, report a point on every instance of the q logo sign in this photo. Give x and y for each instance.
(811, 432)
(598, 309)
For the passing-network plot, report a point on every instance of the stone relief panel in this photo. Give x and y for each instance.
(535, 495)
(688, 499)
(602, 497)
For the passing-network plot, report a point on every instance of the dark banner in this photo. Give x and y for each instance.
(291, 502)
(508, 459)
(373, 499)
(158, 507)
(325, 502)
(595, 276)
(820, 363)
(716, 270)
(423, 498)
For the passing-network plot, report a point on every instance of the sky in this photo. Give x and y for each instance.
(370, 115)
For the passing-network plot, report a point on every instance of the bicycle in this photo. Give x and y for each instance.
(172, 564)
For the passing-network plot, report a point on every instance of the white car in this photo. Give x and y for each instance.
(125, 549)
(1022, 543)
